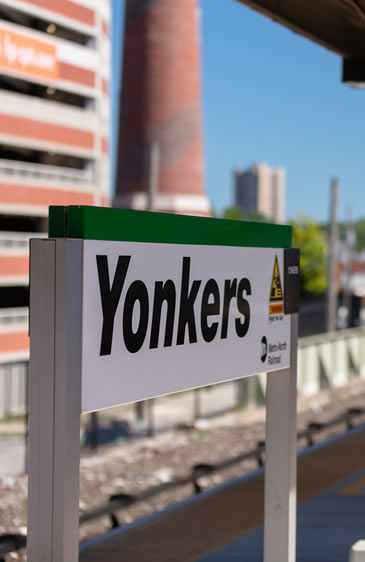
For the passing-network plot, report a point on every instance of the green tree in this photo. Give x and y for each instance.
(233, 213)
(359, 228)
(256, 216)
(308, 237)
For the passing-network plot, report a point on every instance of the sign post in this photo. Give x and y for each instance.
(281, 459)
(54, 400)
(128, 305)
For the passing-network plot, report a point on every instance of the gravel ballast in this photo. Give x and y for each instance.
(134, 466)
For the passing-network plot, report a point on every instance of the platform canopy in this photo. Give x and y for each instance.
(338, 25)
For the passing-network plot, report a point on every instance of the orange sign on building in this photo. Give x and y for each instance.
(25, 55)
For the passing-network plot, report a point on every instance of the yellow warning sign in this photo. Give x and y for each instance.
(276, 293)
(276, 308)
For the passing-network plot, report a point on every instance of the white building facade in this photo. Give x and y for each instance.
(261, 189)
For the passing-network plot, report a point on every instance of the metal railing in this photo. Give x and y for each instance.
(10, 543)
(49, 173)
(121, 501)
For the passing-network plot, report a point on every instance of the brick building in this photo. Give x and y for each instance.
(54, 129)
(160, 121)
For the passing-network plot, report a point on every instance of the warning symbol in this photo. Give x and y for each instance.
(276, 293)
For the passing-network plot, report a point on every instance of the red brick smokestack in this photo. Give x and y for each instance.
(160, 107)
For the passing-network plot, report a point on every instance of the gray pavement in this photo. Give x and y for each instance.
(327, 526)
(182, 407)
(12, 455)
(167, 411)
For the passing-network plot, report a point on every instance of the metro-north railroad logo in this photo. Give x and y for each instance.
(276, 291)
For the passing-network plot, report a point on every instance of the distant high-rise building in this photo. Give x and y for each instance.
(261, 189)
(160, 138)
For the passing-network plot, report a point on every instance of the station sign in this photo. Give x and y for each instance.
(161, 318)
(127, 305)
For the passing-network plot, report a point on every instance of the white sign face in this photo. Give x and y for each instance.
(160, 318)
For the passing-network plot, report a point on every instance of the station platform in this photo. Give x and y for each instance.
(225, 524)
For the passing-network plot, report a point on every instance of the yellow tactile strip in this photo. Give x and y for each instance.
(197, 528)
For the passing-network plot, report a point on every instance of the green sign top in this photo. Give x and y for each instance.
(100, 223)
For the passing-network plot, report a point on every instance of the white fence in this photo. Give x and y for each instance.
(13, 375)
(17, 240)
(329, 360)
(324, 361)
(14, 317)
(13, 389)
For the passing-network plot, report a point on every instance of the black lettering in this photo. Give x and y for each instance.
(230, 289)
(164, 292)
(209, 309)
(187, 299)
(136, 292)
(110, 297)
(244, 287)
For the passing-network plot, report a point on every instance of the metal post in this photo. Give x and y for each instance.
(151, 418)
(94, 430)
(241, 391)
(349, 244)
(153, 182)
(247, 395)
(332, 244)
(139, 409)
(54, 400)
(26, 421)
(153, 179)
(41, 400)
(280, 465)
(196, 397)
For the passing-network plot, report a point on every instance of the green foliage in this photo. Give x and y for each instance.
(359, 228)
(235, 213)
(232, 213)
(308, 237)
(257, 217)
(311, 238)
(213, 213)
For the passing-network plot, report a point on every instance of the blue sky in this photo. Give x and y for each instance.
(272, 96)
